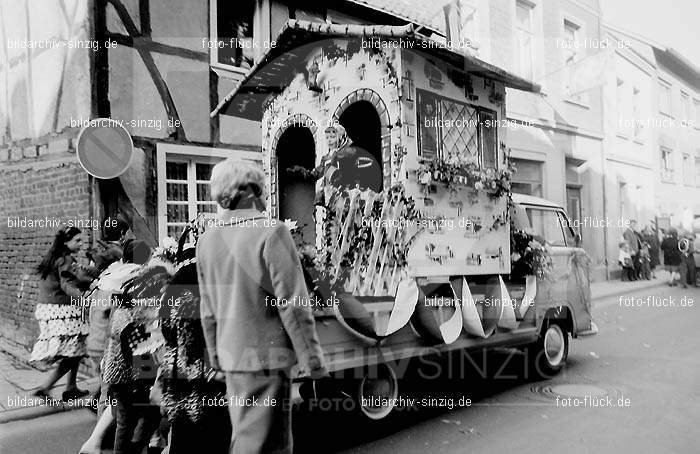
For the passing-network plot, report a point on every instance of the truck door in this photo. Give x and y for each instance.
(570, 277)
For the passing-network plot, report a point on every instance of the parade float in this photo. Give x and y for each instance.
(422, 262)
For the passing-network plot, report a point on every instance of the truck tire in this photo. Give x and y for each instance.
(377, 393)
(547, 356)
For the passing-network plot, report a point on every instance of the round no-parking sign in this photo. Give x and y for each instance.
(104, 148)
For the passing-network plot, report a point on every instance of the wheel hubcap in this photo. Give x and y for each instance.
(554, 344)
(378, 394)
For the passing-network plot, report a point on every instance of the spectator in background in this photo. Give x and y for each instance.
(625, 260)
(116, 233)
(650, 237)
(634, 241)
(644, 262)
(60, 313)
(687, 266)
(251, 284)
(672, 255)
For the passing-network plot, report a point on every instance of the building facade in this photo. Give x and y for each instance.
(652, 136)
(556, 136)
(677, 140)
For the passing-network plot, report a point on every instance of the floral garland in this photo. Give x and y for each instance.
(455, 169)
(339, 263)
(530, 256)
(166, 250)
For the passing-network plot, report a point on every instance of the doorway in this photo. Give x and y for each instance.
(363, 125)
(296, 156)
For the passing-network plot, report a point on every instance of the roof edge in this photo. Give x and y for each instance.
(421, 24)
(370, 31)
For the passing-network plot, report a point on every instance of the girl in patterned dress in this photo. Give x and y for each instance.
(59, 311)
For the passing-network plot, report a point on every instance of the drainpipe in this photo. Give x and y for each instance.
(605, 215)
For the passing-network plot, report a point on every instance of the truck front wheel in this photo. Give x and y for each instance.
(547, 356)
(377, 392)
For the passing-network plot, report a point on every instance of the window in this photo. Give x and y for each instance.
(527, 178)
(524, 33)
(687, 170)
(187, 192)
(685, 105)
(547, 224)
(232, 30)
(636, 112)
(666, 164)
(572, 55)
(520, 217)
(573, 204)
(451, 128)
(622, 199)
(622, 120)
(665, 98)
(489, 137)
(567, 228)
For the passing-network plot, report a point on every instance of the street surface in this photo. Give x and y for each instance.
(633, 388)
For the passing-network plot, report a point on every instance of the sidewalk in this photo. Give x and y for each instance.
(611, 288)
(18, 380)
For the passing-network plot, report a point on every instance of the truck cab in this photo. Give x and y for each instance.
(549, 221)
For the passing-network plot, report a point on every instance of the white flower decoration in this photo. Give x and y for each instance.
(168, 243)
(291, 225)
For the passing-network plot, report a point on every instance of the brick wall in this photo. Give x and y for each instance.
(56, 190)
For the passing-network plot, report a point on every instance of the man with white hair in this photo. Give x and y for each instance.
(255, 310)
